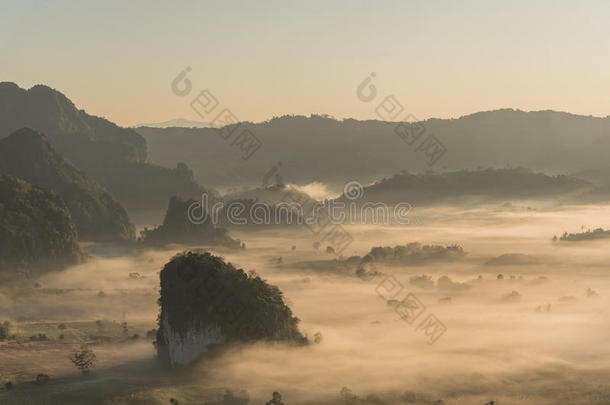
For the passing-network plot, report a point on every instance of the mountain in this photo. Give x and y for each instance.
(116, 157)
(27, 154)
(206, 302)
(74, 133)
(36, 229)
(483, 184)
(178, 227)
(178, 122)
(319, 148)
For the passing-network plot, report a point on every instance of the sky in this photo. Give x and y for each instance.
(445, 59)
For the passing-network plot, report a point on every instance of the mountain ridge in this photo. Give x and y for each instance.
(36, 229)
(27, 154)
(115, 157)
(323, 149)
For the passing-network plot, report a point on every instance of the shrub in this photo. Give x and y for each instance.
(42, 379)
(5, 328)
(84, 359)
(241, 398)
(39, 338)
(276, 399)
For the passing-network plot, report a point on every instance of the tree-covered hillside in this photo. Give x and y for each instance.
(114, 156)
(487, 184)
(35, 227)
(177, 227)
(323, 149)
(27, 154)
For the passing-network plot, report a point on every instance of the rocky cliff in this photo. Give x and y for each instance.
(178, 228)
(206, 302)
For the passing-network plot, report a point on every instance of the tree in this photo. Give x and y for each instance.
(184, 171)
(84, 359)
(276, 399)
(348, 396)
(4, 330)
(242, 398)
(42, 379)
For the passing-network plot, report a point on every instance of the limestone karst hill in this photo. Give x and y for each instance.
(207, 302)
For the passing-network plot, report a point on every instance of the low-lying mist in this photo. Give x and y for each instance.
(518, 331)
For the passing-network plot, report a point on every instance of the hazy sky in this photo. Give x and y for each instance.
(117, 59)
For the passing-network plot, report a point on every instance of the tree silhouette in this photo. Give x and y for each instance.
(276, 400)
(84, 359)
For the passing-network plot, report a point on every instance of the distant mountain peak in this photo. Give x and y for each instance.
(177, 122)
(114, 156)
(9, 85)
(37, 89)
